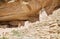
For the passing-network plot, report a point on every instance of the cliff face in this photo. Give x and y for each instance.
(19, 10)
(26, 9)
(11, 10)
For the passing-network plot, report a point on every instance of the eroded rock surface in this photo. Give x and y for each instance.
(25, 9)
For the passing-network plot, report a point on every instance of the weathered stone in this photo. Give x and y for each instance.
(11, 10)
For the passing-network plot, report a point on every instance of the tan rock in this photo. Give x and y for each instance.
(25, 9)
